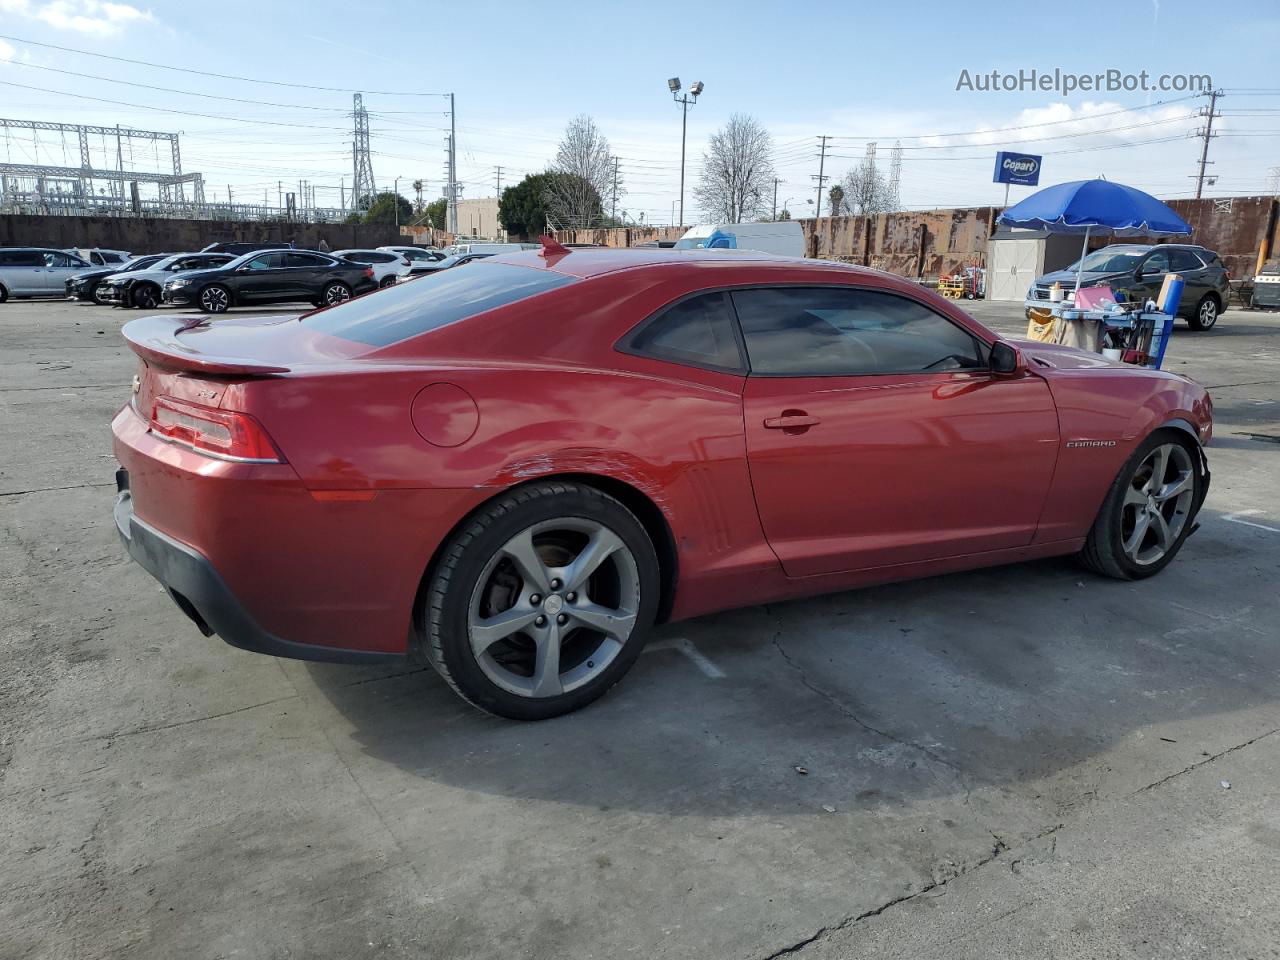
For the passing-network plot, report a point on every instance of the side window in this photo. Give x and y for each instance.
(1158, 262)
(97, 259)
(62, 260)
(360, 257)
(308, 260)
(697, 331)
(22, 258)
(833, 331)
(1184, 260)
(266, 261)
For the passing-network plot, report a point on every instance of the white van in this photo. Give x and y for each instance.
(783, 237)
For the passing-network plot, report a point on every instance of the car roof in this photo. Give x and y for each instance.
(594, 261)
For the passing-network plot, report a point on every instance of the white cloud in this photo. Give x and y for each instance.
(99, 17)
(7, 51)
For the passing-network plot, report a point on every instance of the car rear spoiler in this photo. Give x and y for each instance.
(155, 340)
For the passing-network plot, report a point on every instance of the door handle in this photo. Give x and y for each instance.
(791, 421)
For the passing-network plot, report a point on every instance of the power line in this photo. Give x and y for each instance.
(184, 113)
(1025, 126)
(219, 76)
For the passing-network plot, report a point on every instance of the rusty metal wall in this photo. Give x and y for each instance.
(621, 236)
(933, 243)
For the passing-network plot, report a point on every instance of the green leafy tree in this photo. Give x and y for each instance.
(436, 214)
(522, 209)
(383, 209)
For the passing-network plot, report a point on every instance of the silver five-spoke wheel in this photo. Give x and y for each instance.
(553, 607)
(1157, 504)
(336, 293)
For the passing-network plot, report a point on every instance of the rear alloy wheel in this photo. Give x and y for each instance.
(4, 294)
(542, 602)
(215, 299)
(1149, 511)
(387, 281)
(1206, 314)
(145, 297)
(336, 293)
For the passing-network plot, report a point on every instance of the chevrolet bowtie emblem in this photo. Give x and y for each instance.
(137, 383)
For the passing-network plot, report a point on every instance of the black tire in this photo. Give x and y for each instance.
(144, 296)
(335, 292)
(1206, 313)
(1104, 549)
(388, 281)
(457, 579)
(92, 295)
(4, 294)
(215, 298)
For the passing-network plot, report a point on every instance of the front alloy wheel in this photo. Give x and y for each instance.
(541, 603)
(1157, 504)
(1149, 511)
(215, 299)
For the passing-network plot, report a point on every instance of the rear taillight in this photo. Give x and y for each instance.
(369, 272)
(218, 433)
(404, 261)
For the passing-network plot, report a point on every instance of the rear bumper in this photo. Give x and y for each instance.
(201, 593)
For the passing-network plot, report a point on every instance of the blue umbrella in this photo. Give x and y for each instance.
(1097, 207)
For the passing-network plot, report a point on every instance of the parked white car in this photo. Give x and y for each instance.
(100, 257)
(489, 247)
(388, 266)
(782, 237)
(419, 258)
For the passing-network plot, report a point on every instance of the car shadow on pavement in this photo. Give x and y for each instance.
(1011, 678)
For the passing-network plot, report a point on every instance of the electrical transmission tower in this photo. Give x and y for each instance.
(894, 197)
(362, 188)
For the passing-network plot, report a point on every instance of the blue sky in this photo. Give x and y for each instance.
(854, 71)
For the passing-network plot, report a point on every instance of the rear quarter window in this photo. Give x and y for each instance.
(409, 309)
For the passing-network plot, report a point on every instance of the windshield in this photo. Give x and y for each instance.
(1110, 261)
(408, 309)
(138, 263)
(690, 243)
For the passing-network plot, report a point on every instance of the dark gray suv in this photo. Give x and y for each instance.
(1139, 270)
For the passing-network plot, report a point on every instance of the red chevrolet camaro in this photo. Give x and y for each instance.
(515, 468)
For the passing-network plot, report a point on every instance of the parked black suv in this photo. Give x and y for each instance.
(1139, 271)
(274, 276)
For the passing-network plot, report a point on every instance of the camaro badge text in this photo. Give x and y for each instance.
(1091, 443)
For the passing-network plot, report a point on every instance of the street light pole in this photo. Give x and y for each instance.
(691, 97)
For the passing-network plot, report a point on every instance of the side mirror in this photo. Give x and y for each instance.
(1006, 359)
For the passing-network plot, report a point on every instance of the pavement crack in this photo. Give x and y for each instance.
(185, 723)
(1202, 762)
(73, 486)
(998, 849)
(844, 709)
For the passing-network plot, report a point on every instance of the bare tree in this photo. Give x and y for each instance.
(575, 200)
(737, 172)
(866, 189)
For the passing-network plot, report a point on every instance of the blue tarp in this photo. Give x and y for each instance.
(1099, 207)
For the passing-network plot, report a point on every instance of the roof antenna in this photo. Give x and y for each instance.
(551, 247)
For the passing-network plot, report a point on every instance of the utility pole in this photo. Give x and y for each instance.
(497, 172)
(775, 199)
(453, 167)
(613, 213)
(822, 163)
(342, 192)
(280, 193)
(1207, 134)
